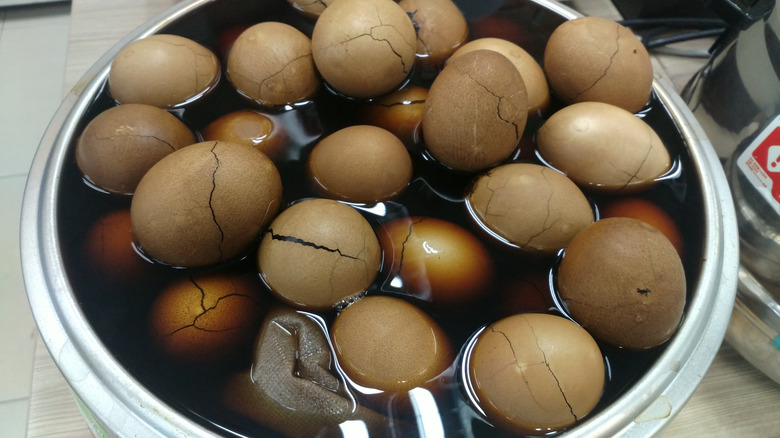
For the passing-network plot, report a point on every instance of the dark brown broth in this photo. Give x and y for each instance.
(117, 312)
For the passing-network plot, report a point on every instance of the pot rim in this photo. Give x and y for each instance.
(121, 405)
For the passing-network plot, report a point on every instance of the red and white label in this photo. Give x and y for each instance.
(760, 163)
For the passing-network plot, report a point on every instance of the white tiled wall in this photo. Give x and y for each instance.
(32, 60)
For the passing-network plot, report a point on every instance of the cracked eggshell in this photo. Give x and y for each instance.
(271, 64)
(400, 112)
(360, 163)
(475, 112)
(318, 253)
(388, 344)
(311, 8)
(597, 59)
(529, 206)
(166, 71)
(441, 28)
(364, 48)
(436, 261)
(533, 76)
(624, 282)
(207, 319)
(122, 143)
(604, 148)
(535, 373)
(205, 204)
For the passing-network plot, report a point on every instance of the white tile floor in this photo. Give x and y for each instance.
(32, 64)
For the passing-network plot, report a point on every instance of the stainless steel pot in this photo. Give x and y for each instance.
(119, 405)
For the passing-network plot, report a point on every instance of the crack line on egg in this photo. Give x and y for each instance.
(518, 364)
(122, 137)
(633, 176)
(498, 106)
(211, 199)
(299, 241)
(305, 6)
(371, 35)
(403, 244)
(206, 310)
(195, 55)
(606, 69)
(416, 25)
(492, 191)
(262, 83)
(545, 226)
(552, 373)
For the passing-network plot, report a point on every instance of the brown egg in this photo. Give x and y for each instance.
(364, 48)
(602, 147)
(475, 112)
(227, 38)
(360, 163)
(399, 112)
(533, 373)
(387, 344)
(436, 261)
(623, 281)
(310, 8)
(441, 28)
(529, 206)
(108, 248)
(318, 254)
(205, 204)
(597, 59)
(530, 70)
(207, 319)
(250, 128)
(528, 290)
(166, 71)
(271, 64)
(647, 212)
(122, 143)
